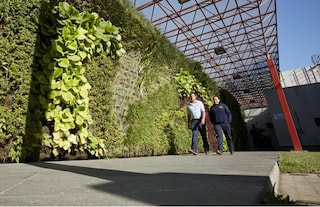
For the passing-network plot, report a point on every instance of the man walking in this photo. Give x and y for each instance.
(196, 122)
(220, 117)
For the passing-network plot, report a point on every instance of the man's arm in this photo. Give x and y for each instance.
(203, 119)
(229, 114)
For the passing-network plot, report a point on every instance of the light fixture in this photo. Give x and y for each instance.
(236, 76)
(183, 1)
(219, 50)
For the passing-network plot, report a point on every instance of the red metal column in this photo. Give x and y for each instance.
(284, 106)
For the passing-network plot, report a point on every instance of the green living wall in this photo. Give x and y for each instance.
(134, 100)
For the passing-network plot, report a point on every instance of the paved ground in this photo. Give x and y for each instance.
(302, 188)
(240, 179)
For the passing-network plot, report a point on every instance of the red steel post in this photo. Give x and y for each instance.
(284, 106)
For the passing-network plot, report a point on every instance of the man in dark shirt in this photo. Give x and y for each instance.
(220, 117)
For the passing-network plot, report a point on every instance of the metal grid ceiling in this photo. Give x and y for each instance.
(245, 29)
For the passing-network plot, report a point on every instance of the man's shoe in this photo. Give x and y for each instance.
(232, 152)
(192, 152)
(206, 152)
(219, 152)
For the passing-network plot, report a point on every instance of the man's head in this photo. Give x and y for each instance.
(216, 100)
(193, 96)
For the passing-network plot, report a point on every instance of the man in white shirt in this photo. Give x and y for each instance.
(196, 122)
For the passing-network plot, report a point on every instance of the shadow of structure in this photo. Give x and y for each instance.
(116, 187)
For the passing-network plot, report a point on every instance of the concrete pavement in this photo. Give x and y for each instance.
(239, 179)
(304, 189)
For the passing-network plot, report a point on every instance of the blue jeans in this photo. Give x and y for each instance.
(197, 127)
(226, 129)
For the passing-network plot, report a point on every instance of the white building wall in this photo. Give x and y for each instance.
(304, 102)
(300, 76)
(302, 90)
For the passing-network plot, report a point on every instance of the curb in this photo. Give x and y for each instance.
(275, 178)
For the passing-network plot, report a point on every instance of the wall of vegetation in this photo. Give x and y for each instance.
(135, 100)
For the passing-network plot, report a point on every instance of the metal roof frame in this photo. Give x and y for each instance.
(245, 29)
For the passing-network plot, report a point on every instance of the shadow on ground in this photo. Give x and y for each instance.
(164, 188)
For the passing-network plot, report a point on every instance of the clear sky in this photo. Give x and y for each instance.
(298, 32)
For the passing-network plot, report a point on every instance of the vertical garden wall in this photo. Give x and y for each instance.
(135, 104)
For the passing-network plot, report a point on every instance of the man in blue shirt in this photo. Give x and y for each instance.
(220, 116)
(196, 122)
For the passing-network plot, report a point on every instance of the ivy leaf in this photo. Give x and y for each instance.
(66, 145)
(82, 55)
(57, 72)
(83, 78)
(67, 96)
(118, 37)
(79, 120)
(72, 83)
(81, 108)
(42, 79)
(55, 85)
(83, 92)
(63, 62)
(72, 138)
(57, 47)
(54, 93)
(83, 133)
(91, 37)
(42, 100)
(66, 33)
(46, 58)
(55, 152)
(72, 45)
(70, 125)
(86, 86)
(120, 52)
(67, 116)
(56, 136)
(74, 58)
(81, 33)
(44, 89)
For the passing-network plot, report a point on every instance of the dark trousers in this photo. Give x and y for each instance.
(226, 129)
(197, 127)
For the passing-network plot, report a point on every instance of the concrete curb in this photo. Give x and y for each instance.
(274, 179)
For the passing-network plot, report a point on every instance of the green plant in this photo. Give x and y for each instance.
(299, 162)
(188, 83)
(74, 38)
(270, 198)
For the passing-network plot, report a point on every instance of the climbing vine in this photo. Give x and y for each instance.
(72, 38)
(188, 83)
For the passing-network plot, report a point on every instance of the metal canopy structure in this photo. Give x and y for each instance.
(230, 38)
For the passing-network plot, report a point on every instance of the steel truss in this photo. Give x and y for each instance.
(245, 29)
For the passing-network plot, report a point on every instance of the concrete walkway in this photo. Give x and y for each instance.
(239, 179)
(304, 189)
(210, 179)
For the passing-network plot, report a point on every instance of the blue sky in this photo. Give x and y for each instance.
(298, 32)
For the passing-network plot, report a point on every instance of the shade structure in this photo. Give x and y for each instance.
(245, 30)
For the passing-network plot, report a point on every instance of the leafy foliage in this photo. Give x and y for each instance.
(74, 38)
(156, 125)
(270, 198)
(188, 83)
(138, 86)
(18, 32)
